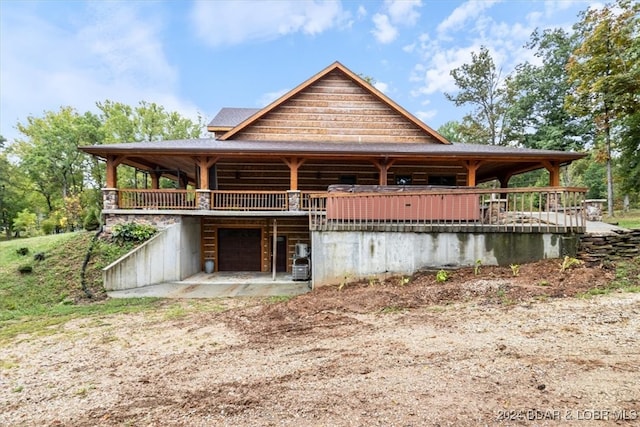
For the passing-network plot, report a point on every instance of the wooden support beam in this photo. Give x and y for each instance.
(554, 172)
(204, 164)
(294, 164)
(504, 179)
(112, 170)
(383, 166)
(155, 179)
(471, 166)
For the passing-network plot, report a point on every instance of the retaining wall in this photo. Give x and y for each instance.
(614, 246)
(173, 254)
(337, 255)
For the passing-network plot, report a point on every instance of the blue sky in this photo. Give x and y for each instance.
(196, 57)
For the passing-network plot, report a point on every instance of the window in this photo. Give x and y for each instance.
(348, 179)
(449, 181)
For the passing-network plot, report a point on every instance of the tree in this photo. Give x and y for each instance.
(146, 122)
(536, 95)
(451, 131)
(49, 154)
(604, 70)
(481, 87)
(25, 222)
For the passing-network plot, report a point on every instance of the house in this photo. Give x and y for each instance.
(336, 166)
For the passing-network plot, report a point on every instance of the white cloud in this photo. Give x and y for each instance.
(425, 116)
(436, 75)
(467, 11)
(362, 11)
(396, 12)
(403, 11)
(109, 51)
(384, 32)
(382, 87)
(269, 97)
(223, 23)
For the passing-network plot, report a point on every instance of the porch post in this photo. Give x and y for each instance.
(504, 180)
(383, 166)
(294, 164)
(472, 166)
(554, 173)
(204, 164)
(110, 193)
(155, 179)
(112, 170)
(109, 198)
(294, 200)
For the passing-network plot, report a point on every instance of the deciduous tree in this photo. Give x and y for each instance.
(480, 86)
(536, 96)
(604, 71)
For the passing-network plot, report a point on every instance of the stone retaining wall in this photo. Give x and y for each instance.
(596, 248)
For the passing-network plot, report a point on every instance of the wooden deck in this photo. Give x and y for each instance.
(535, 210)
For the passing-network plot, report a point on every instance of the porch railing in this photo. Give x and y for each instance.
(548, 209)
(249, 200)
(157, 199)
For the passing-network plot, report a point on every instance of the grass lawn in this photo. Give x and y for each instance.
(51, 294)
(629, 219)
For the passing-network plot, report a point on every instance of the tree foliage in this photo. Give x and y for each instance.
(49, 152)
(451, 131)
(480, 86)
(66, 180)
(536, 96)
(605, 72)
(145, 122)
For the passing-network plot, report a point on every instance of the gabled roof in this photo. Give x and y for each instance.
(227, 118)
(336, 66)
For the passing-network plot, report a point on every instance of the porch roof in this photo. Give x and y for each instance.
(496, 161)
(210, 146)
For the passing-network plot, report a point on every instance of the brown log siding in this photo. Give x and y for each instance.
(334, 109)
(296, 230)
(318, 176)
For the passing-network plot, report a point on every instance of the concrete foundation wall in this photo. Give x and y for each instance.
(190, 247)
(359, 254)
(173, 254)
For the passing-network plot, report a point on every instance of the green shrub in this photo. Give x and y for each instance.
(48, 225)
(133, 232)
(22, 251)
(91, 221)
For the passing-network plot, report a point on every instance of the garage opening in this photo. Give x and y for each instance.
(239, 249)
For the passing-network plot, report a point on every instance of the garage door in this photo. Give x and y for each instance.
(239, 249)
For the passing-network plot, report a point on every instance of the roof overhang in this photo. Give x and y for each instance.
(495, 161)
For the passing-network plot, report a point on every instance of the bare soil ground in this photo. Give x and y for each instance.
(486, 349)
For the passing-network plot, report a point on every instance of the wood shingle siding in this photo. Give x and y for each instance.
(334, 109)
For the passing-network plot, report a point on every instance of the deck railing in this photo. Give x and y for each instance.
(249, 200)
(157, 199)
(546, 209)
(536, 210)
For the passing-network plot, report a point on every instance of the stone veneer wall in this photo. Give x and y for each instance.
(160, 221)
(596, 248)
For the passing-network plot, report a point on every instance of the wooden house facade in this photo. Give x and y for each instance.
(333, 153)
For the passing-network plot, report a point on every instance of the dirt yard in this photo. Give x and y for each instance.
(485, 349)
